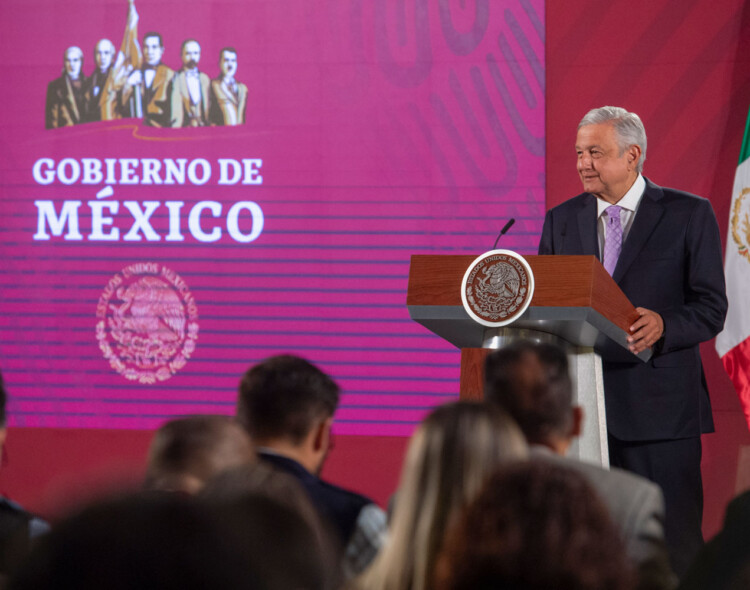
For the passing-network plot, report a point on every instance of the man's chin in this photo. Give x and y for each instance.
(591, 186)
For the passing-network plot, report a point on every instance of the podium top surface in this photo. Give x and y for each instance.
(574, 297)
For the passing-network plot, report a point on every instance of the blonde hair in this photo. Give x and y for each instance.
(450, 456)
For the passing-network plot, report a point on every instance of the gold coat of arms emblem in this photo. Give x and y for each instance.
(740, 223)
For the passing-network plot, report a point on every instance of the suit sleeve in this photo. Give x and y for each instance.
(646, 545)
(50, 109)
(701, 315)
(545, 242)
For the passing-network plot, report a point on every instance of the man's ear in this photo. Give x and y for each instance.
(322, 435)
(634, 155)
(576, 426)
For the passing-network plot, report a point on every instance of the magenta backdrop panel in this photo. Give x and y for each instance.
(145, 269)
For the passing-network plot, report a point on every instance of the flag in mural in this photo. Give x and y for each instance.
(733, 344)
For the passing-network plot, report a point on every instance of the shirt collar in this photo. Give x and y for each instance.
(631, 199)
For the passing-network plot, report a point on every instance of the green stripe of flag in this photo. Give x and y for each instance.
(745, 151)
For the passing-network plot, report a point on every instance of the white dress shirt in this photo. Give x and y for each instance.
(629, 204)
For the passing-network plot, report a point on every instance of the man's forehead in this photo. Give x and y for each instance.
(595, 135)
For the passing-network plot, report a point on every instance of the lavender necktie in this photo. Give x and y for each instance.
(612, 238)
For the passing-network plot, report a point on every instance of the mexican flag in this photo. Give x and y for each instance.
(733, 344)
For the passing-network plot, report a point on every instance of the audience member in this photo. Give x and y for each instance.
(171, 541)
(532, 383)
(724, 562)
(18, 528)
(287, 406)
(235, 493)
(534, 526)
(449, 457)
(186, 452)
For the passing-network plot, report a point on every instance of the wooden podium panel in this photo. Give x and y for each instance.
(574, 300)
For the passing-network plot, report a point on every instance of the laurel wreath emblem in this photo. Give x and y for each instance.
(740, 224)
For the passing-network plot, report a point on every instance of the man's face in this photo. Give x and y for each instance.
(103, 54)
(228, 64)
(152, 50)
(605, 172)
(191, 54)
(72, 63)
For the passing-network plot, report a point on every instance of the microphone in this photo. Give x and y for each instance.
(507, 226)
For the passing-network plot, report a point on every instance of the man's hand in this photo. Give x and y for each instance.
(646, 331)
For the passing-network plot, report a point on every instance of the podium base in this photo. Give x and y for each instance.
(588, 388)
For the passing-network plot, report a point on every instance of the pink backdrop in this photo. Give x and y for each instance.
(379, 130)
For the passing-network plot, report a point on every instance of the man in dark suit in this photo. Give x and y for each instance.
(287, 404)
(66, 102)
(104, 55)
(663, 249)
(531, 382)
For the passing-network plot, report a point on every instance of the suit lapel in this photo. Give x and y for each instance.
(587, 227)
(648, 215)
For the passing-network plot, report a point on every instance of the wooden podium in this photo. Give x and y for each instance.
(575, 303)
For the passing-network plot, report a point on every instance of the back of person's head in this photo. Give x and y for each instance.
(449, 457)
(283, 396)
(186, 452)
(534, 526)
(260, 479)
(145, 542)
(296, 547)
(531, 382)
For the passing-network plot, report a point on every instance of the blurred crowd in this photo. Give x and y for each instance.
(487, 499)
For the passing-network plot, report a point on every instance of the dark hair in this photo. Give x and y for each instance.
(228, 49)
(185, 42)
(144, 542)
(195, 448)
(283, 396)
(531, 382)
(158, 36)
(535, 525)
(236, 494)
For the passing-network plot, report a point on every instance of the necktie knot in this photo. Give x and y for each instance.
(613, 213)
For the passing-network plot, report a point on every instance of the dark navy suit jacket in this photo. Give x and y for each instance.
(671, 263)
